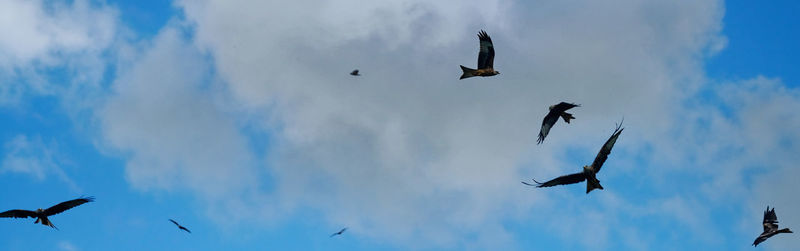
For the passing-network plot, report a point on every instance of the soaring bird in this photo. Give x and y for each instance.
(589, 172)
(770, 227)
(339, 233)
(558, 110)
(485, 59)
(355, 73)
(179, 226)
(41, 215)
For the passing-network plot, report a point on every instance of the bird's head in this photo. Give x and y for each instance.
(39, 210)
(551, 107)
(496, 72)
(587, 169)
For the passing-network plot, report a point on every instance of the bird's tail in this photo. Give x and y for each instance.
(785, 230)
(47, 222)
(592, 184)
(567, 117)
(468, 73)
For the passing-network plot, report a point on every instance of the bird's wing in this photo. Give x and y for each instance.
(606, 150)
(18, 213)
(63, 206)
(549, 120)
(486, 54)
(770, 221)
(174, 222)
(342, 231)
(564, 106)
(184, 229)
(563, 180)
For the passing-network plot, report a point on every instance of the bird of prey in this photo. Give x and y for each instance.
(558, 110)
(355, 73)
(179, 226)
(770, 227)
(339, 233)
(41, 215)
(589, 172)
(485, 59)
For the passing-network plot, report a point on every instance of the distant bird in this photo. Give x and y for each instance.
(179, 226)
(589, 172)
(485, 59)
(339, 233)
(355, 73)
(558, 110)
(41, 215)
(770, 227)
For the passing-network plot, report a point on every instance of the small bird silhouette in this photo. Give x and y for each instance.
(41, 215)
(339, 233)
(180, 227)
(558, 110)
(355, 73)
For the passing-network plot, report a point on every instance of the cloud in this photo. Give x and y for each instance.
(42, 39)
(409, 152)
(34, 157)
(67, 246)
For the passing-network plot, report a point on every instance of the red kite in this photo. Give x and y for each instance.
(41, 215)
(485, 59)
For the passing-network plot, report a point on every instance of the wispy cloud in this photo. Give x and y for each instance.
(34, 157)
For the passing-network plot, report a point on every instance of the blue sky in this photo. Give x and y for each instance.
(240, 121)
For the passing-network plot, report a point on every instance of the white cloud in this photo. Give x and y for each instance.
(67, 246)
(43, 36)
(34, 157)
(408, 152)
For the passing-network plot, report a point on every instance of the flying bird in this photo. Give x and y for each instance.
(770, 227)
(41, 215)
(339, 233)
(355, 73)
(558, 110)
(589, 172)
(485, 59)
(179, 226)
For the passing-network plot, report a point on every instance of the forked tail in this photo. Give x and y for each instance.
(592, 184)
(467, 72)
(567, 117)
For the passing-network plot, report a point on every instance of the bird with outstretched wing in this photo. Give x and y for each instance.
(589, 172)
(355, 73)
(485, 59)
(556, 111)
(339, 233)
(770, 224)
(179, 226)
(42, 214)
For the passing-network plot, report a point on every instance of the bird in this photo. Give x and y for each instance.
(485, 59)
(179, 226)
(770, 226)
(339, 233)
(355, 73)
(589, 172)
(41, 215)
(558, 110)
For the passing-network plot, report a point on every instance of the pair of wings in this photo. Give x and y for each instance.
(57, 209)
(596, 165)
(339, 233)
(552, 117)
(770, 220)
(179, 226)
(486, 54)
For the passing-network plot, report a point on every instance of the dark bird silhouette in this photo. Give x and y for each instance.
(41, 215)
(770, 227)
(589, 172)
(179, 226)
(355, 73)
(339, 233)
(485, 59)
(558, 110)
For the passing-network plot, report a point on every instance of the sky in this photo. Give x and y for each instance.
(239, 120)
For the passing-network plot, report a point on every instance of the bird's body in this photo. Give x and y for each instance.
(589, 173)
(770, 224)
(556, 111)
(179, 226)
(42, 214)
(355, 73)
(485, 59)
